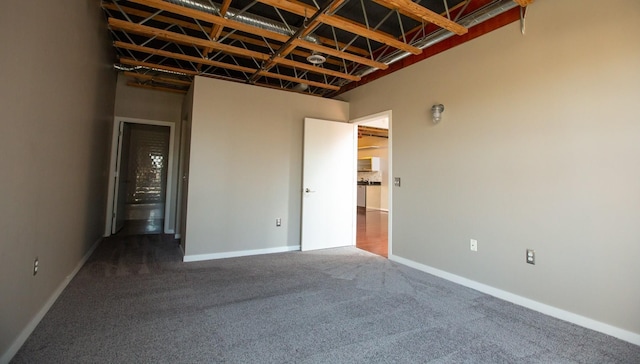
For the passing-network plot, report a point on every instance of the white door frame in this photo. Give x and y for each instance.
(368, 119)
(112, 169)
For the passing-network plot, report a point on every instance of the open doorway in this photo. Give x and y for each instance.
(373, 196)
(142, 188)
(141, 175)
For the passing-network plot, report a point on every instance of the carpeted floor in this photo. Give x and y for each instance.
(136, 302)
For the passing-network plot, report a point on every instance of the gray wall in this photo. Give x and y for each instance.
(246, 165)
(57, 99)
(141, 103)
(538, 148)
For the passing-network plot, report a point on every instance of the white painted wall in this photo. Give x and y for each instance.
(57, 103)
(246, 166)
(538, 148)
(141, 103)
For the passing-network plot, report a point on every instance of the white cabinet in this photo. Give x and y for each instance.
(369, 164)
(362, 196)
(373, 197)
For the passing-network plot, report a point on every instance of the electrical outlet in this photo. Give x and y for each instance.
(278, 222)
(35, 266)
(473, 245)
(531, 256)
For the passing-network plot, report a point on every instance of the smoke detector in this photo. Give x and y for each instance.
(316, 59)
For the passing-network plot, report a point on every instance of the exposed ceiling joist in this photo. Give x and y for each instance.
(183, 57)
(217, 29)
(196, 14)
(298, 80)
(183, 39)
(425, 14)
(286, 48)
(270, 43)
(372, 131)
(161, 79)
(133, 62)
(304, 10)
(312, 68)
(416, 17)
(233, 67)
(157, 88)
(524, 3)
(189, 25)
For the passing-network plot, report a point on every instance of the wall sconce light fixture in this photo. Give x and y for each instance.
(436, 112)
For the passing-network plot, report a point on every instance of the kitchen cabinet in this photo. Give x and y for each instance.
(362, 196)
(369, 164)
(373, 196)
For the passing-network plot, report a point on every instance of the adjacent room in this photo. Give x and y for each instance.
(300, 181)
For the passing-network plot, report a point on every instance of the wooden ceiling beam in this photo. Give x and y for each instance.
(143, 76)
(261, 43)
(339, 54)
(184, 39)
(133, 62)
(425, 14)
(183, 57)
(312, 68)
(524, 3)
(416, 17)
(302, 9)
(189, 25)
(301, 33)
(214, 19)
(217, 29)
(298, 80)
(157, 88)
(234, 67)
(235, 36)
(332, 43)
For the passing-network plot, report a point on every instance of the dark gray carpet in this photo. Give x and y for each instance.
(135, 302)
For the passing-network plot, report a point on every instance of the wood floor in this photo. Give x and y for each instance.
(372, 231)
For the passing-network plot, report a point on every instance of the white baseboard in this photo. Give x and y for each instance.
(239, 253)
(579, 320)
(26, 332)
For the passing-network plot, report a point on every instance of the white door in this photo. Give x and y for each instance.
(328, 184)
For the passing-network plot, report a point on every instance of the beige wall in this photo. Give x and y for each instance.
(538, 148)
(57, 104)
(141, 103)
(246, 165)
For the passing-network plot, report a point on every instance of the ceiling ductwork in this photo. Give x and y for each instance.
(479, 16)
(245, 18)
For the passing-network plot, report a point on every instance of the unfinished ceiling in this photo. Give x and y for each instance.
(302, 46)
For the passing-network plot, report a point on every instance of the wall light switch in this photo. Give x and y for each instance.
(396, 181)
(278, 222)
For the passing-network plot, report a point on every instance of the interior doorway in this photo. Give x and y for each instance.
(141, 177)
(374, 181)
